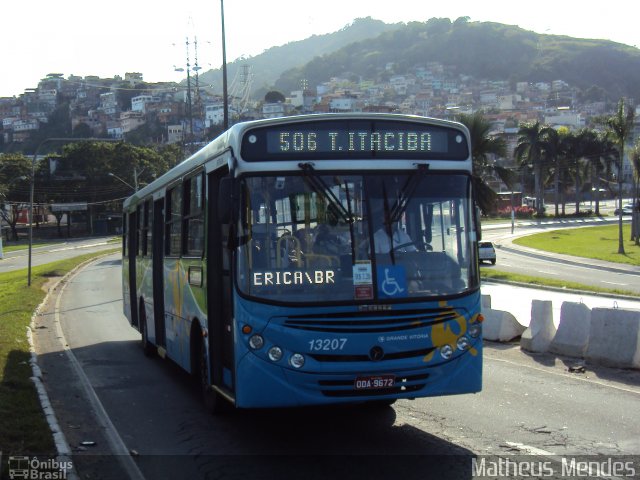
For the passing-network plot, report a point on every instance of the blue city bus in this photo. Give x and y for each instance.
(312, 260)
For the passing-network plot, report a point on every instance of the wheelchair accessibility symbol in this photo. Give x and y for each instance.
(392, 281)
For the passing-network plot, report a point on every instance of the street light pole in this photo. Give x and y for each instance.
(135, 189)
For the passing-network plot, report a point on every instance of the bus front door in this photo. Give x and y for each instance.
(219, 292)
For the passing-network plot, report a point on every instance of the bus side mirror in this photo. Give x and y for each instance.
(225, 195)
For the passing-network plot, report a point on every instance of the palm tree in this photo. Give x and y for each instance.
(590, 148)
(576, 148)
(532, 150)
(605, 157)
(557, 160)
(569, 153)
(483, 146)
(620, 127)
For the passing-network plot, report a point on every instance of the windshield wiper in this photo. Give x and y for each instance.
(319, 186)
(406, 193)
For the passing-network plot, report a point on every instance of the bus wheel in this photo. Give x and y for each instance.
(213, 402)
(147, 347)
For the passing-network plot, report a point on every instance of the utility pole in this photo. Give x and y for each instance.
(224, 71)
(189, 111)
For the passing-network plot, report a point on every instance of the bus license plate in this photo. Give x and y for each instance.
(374, 382)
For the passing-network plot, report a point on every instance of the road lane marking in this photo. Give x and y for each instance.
(563, 374)
(615, 283)
(528, 449)
(546, 272)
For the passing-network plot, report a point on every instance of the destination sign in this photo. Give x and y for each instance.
(354, 139)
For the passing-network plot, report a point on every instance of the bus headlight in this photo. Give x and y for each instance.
(256, 342)
(463, 343)
(446, 351)
(275, 354)
(474, 330)
(297, 360)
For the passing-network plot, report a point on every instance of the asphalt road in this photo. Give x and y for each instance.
(516, 259)
(19, 259)
(530, 405)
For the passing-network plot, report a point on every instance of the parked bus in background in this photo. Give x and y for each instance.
(312, 260)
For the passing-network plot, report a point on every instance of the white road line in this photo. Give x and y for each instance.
(563, 374)
(546, 272)
(615, 283)
(528, 449)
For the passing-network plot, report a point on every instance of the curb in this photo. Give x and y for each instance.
(63, 449)
(62, 446)
(617, 296)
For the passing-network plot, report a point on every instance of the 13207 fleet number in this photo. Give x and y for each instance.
(327, 344)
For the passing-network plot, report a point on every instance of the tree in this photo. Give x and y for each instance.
(605, 151)
(15, 171)
(483, 146)
(101, 174)
(274, 96)
(553, 156)
(573, 147)
(531, 151)
(620, 127)
(589, 148)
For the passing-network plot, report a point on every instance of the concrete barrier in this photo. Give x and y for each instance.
(572, 336)
(614, 337)
(485, 301)
(500, 326)
(541, 331)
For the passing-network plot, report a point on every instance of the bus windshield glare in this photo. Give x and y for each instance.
(319, 237)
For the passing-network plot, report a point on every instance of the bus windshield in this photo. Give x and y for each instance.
(319, 237)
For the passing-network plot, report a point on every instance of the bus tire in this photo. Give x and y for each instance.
(147, 347)
(213, 402)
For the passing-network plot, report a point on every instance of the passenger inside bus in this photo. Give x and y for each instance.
(388, 236)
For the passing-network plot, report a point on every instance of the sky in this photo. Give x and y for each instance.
(76, 37)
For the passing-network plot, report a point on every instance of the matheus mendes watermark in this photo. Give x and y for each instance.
(566, 467)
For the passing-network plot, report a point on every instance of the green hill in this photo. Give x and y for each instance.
(482, 49)
(267, 67)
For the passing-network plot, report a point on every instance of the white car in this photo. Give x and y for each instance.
(486, 252)
(626, 209)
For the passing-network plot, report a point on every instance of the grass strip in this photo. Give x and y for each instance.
(599, 243)
(23, 427)
(527, 280)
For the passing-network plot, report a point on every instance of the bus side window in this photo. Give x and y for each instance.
(173, 230)
(148, 224)
(193, 224)
(140, 234)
